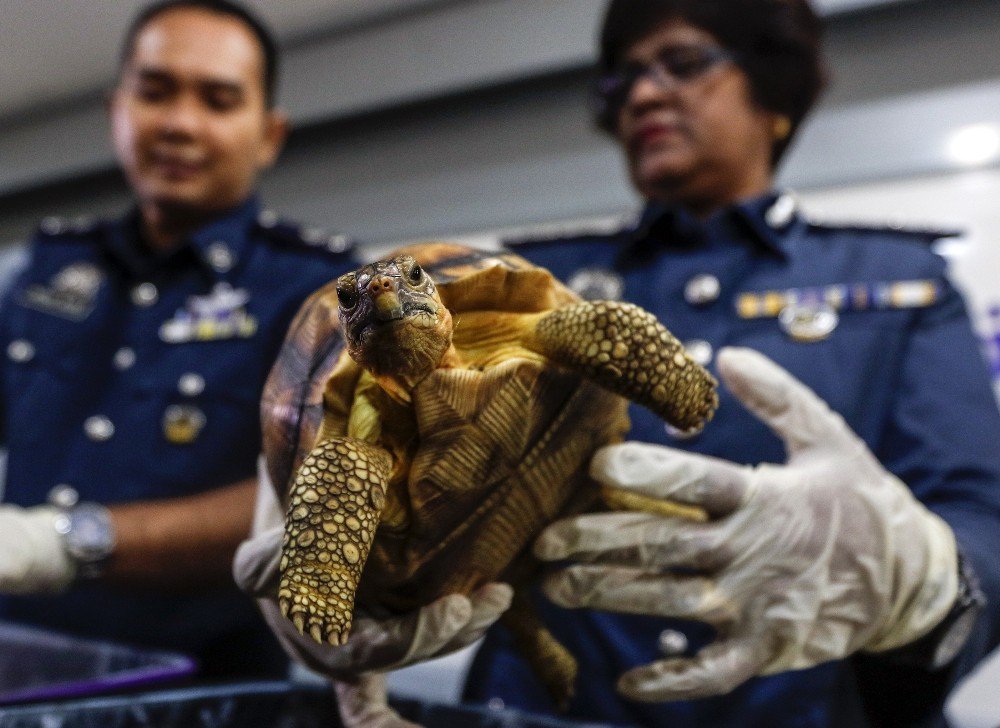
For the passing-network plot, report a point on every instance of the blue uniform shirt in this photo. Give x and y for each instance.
(901, 365)
(132, 376)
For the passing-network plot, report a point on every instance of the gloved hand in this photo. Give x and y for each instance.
(32, 557)
(796, 565)
(446, 625)
(364, 703)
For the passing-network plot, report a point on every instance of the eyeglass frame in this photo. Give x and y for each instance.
(609, 103)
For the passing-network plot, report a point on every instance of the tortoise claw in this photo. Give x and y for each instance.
(314, 615)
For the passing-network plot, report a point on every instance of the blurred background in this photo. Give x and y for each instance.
(423, 118)
(431, 118)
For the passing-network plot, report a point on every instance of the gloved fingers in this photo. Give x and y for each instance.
(437, 624)
(637, 592)
(255, 566)
(715, 670)
(363, 703)
(324, 659)
(718, 486)
(488, 602)
(636, 540)
(793, 411)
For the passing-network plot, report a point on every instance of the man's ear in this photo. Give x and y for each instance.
(275, 132)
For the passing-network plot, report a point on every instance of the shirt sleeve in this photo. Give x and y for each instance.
(943, 440)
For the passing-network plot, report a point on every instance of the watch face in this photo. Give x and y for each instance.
(90, 537)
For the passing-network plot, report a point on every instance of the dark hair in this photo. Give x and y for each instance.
(222, 7)
(776, 43)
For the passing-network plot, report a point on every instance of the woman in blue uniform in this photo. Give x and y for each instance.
(834, 581)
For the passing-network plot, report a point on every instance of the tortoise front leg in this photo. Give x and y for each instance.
(626, 350)
(333, 512)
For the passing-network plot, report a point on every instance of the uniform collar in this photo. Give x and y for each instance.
(219, 245)
(766, 221)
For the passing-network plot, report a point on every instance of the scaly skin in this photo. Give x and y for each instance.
(333, 512)
(340, 490)
(626, 350)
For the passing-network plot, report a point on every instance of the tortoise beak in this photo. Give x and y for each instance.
(388, 307)
(385, 298)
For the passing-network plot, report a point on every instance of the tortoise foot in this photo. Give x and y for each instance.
(626, 350)
(317, 605)
(334, 509)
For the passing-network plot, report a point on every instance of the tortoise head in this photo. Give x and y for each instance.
(393, 319)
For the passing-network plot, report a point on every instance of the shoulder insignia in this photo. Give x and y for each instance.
(923, 234)
(284, 231)
(57, 227)
(565, 230)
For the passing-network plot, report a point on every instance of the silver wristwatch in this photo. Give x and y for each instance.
(88, 534)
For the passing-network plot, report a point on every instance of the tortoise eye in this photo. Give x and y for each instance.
(347, 296)
(416, 273)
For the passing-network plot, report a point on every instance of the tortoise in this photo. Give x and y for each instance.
(431, 413)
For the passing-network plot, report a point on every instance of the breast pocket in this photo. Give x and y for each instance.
(185, 443)
(43, 376)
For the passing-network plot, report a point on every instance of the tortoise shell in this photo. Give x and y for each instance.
(490, 453)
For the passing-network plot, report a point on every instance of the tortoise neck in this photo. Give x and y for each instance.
(399, 387)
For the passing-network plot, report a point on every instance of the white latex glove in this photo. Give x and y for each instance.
(32, 557)
(797, 564)
(448, 624)
(365, 703)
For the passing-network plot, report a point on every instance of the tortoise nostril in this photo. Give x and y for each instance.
(379, 285)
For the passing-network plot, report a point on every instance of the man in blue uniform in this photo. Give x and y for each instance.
(135, 351)
(834, 580)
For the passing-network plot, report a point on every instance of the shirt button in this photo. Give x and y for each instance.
(700, 350)
(124, 358)
(267, 219)
(220, 257)
(145, 295)
(21, 351)
(679, 434)
(702, 290)
(99, 428)
(191, 384)
(672, 643)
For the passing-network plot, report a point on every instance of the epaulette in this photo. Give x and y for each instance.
(566, 230)
(924, 234)
(288, 233)
(53, 228)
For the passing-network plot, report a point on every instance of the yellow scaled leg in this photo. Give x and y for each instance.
(333, 512)
(626, 350)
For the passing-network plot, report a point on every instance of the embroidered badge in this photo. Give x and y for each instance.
(219, 315)
(182, 423)
(70, 294)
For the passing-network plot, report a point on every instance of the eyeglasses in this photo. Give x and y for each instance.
(673, 66)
